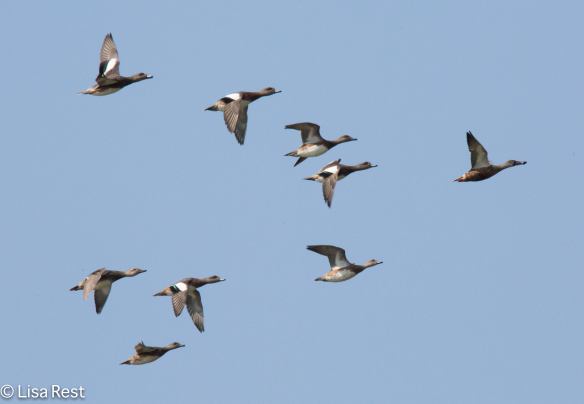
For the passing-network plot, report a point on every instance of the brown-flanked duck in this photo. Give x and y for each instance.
(109, 80)
(333, 172)
(147, 354)
(312, 143)
(341, 268)
(234, 107)
(185, 293)
(100, 282)
(482, 167)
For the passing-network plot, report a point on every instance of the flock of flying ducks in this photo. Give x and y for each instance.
(234, 107)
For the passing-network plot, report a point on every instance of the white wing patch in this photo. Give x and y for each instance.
(181, 286)
(332, 169)
(234, 96)
(110, 65)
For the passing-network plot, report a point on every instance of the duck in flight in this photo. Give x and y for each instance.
(147, 354)
(482, 167)
(109, 80)
(100, 282)
(234, 107)
(312, 143)
(333, 172)
(341, 268)
(185, 293)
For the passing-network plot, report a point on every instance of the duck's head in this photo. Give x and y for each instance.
(175, 345)
(365, 165)
(516, 163)
(140, 77)
(372, 263)
(214, 279)
(345, 138)
(135, 271)
(269, 91)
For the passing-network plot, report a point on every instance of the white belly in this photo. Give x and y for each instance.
(339, 275)
(311, 150)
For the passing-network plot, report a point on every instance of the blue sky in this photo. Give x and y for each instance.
(479, 297)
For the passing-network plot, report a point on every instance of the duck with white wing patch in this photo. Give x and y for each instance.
(109, 80)
(184, 293)
(234, 107)
(333, 172)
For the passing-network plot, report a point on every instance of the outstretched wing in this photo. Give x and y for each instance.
(235, 116)
(329, 165)
(328, 188)
(100, 296)
(178, 302)
(195, 308)
(310, 132)
(141, 348)
(109, 66)
(478, 154)
(90, 282)
(336, 255)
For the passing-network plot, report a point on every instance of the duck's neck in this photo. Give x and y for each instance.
(335, 142)
(503, 166)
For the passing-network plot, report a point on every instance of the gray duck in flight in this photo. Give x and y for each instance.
(341, 268)
(312, 143)
(100, 282)
(482, 168)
